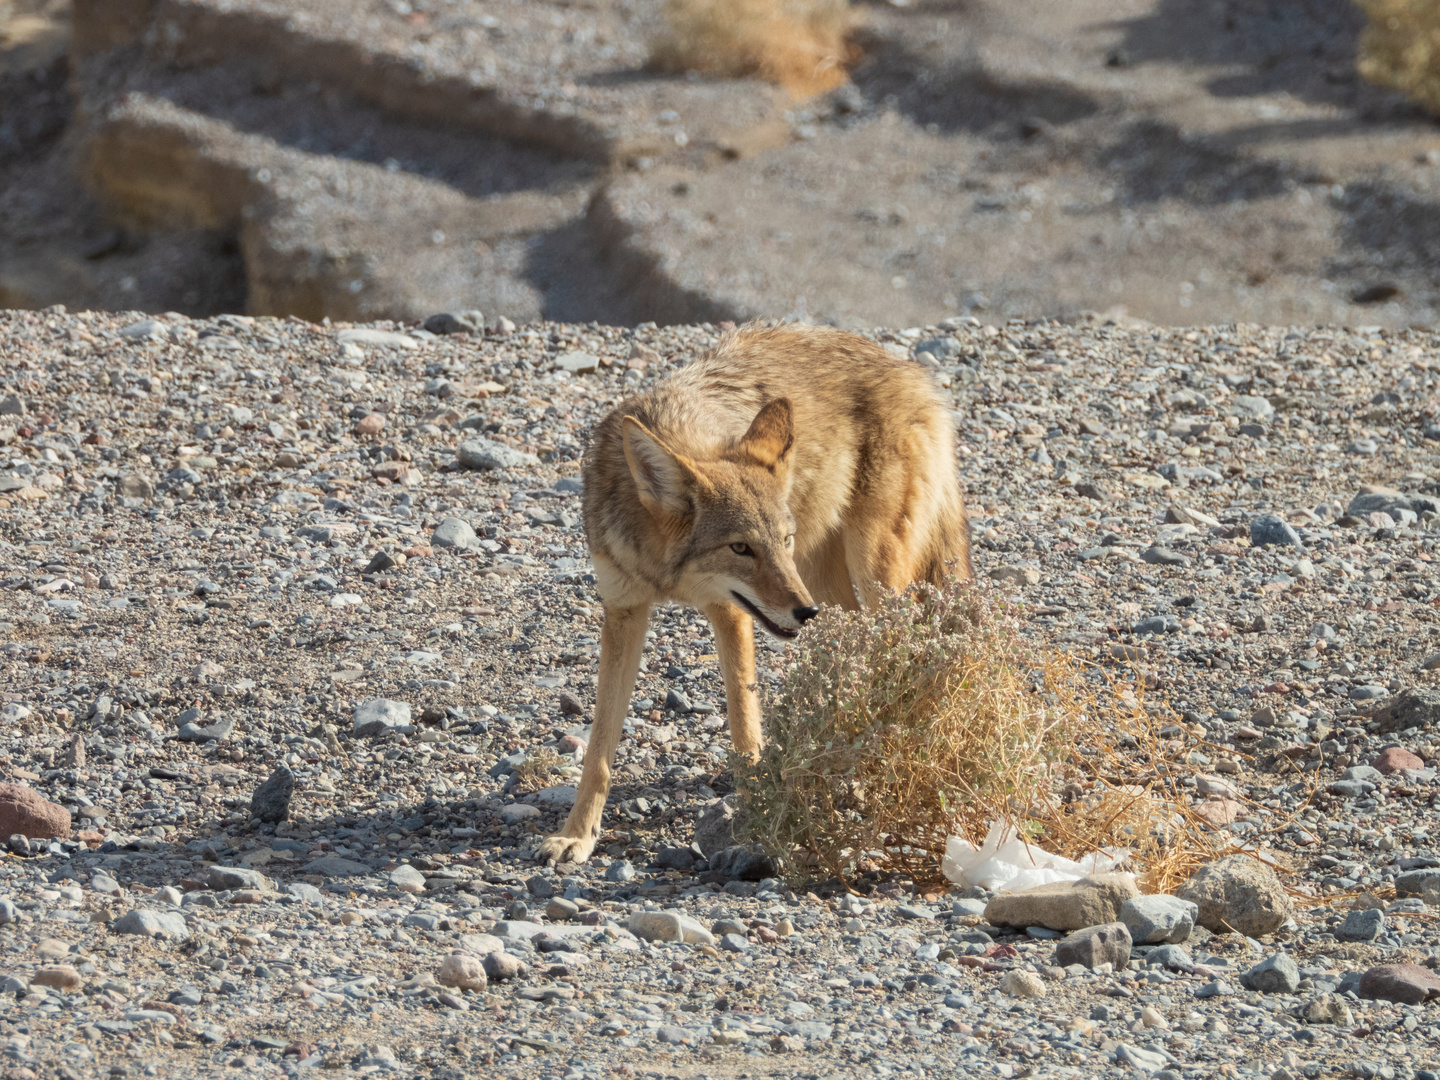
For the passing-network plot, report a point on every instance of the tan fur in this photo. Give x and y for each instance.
(829, 461)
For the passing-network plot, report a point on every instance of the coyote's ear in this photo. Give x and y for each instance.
(665, 480)
(771, 434)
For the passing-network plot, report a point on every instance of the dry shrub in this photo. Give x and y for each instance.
(1400, 48)
(801, 45)
(932, 715)
(540, 768)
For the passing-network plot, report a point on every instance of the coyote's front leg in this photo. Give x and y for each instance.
(622, 640)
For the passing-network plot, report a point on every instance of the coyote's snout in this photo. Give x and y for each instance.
(789, 467)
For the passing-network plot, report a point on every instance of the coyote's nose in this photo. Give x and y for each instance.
(804, 614)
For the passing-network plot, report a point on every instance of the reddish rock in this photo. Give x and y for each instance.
(1407, 984)
(370, 424)
(26, 812)
(1396, 758)
(1217, 813)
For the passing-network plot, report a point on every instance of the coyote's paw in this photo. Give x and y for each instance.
(561, 849)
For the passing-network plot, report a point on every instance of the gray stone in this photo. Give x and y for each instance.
(1163, 556)
(1269, 529)
(743, 863)
(457, 322)
(1364, 925)
(668, 926)
(271, 801)
(1239, 894)
(307, 894)
(379, 715)
(235, 877)
(7, 912)
(1108, 943)
(455, 533)
(1172, 956)
(1157, 919)
(715, 827)
(1277, 974)
(1252, 408)
(1417, 707)
(576, 363)
(620, 870)
(481, 453)
(152, 924)
(216, 732)
(333, 866)
(734, 943)
(502, 966)
(407, 878)
(1064, 905)
(380, 339)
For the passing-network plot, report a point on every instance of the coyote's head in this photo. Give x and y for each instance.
(727, 519)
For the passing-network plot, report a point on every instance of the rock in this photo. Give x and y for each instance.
(673, 857)
(1277, 974)
(462, 972)
(380, 339)
(1157, 919)
(1022, 984)
(1016, 575)
(668, 926)
(1163, 556)
(576, 363)
(235, 877)
(145, 330)
(736, 943)
(1237, 894)
(134, 486)
(152, 924)
(455, 533)
(1249, 407)
(1404, 984)
(1418, 706)
(621, 870)
(1270, 529)
(1329, 1009)
(407, 879)
(1394, 758)
(479, 453)
(1364, 925)
(558, 909)
(1108, 943)
(1149, 1062)
(334, 866)
(458, 322)
(741, 862)
(7, 912)
(1172, 956)
(502, 966)
(370, 424)
(271, 800)
(217, 731)
(59, 977)
(570, 705)
(27, 813)
(715, 826)
(379, 715)
(1064, 905)
(515, 813)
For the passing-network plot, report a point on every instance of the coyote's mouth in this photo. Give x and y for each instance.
(764, 620)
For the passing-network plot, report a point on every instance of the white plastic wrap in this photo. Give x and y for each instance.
(1006, 863)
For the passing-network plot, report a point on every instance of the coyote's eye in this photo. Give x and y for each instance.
(790, 542)
(741, 549)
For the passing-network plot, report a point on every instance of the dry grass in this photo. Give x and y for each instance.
(1400, 48)
(539, 769)
(932, 715)
(801, 45)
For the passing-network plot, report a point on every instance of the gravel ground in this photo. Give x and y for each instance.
(220, 549)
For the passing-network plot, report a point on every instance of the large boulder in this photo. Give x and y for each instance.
(1237, 894)
(1405, 984)
(30, 814)
(1065, 905)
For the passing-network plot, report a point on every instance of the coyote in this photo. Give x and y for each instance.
(791, 466)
